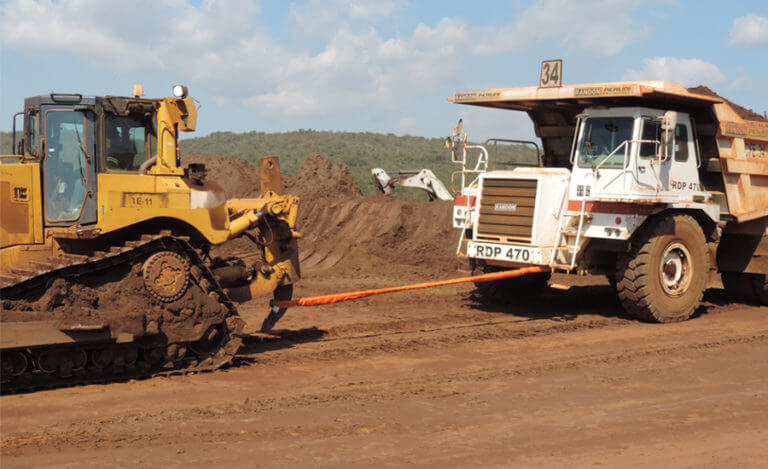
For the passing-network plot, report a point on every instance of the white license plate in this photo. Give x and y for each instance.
(505, 252)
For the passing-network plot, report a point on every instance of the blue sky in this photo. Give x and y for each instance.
(371, 65)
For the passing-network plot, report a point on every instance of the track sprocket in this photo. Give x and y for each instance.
(166, 275)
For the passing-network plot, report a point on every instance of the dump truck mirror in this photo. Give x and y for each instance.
(669, 121)
(459, 127)
(668, 125)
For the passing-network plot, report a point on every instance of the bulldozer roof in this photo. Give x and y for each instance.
(88, 100)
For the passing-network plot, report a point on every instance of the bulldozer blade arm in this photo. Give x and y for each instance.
(269, 172)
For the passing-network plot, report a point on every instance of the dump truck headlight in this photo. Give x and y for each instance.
(180, 91)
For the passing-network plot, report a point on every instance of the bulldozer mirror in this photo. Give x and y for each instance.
(448, 142)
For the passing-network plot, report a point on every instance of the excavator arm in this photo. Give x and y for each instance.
(423, 179)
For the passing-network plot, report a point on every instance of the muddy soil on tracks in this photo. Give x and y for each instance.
(429, 377)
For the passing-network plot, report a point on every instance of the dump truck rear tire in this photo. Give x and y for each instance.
(743, 287)
(761, 286)
(663, 277)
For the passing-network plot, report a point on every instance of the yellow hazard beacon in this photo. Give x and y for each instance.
(655, 186)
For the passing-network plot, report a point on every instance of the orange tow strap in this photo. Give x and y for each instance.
(338, 297)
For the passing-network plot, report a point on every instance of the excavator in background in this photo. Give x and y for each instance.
(106, 240)
(424, 179)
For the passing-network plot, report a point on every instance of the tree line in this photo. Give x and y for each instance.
(359, 151)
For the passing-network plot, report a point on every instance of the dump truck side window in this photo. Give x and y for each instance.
(650, 132)
(129, 142)
(681, 143)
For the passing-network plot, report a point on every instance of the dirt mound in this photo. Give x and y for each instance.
(343, 232)
(238, 177)
(377, 235)
(321, 177)
(745, 113)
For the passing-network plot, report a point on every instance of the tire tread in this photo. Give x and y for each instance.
(632, 272)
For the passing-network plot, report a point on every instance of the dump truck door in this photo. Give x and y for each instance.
(677, 173)
(652, 171)
(69, 176)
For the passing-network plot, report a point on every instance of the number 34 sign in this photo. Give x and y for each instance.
(551, 73)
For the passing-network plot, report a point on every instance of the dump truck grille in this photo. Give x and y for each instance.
(506, 210)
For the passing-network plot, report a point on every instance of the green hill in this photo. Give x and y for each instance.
(5, 143)
(360, 151)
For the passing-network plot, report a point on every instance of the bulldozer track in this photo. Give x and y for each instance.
(22, 281)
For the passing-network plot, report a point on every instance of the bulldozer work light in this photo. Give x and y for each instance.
(180, 91)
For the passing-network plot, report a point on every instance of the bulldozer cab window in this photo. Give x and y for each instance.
(66, 165)
(32, 137)
(600, 137)
(129, 142)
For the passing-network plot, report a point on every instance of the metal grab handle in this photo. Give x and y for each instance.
(528, 142)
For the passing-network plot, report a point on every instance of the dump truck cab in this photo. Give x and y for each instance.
(626, 168)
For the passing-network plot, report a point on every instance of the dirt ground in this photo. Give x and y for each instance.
(428, 377)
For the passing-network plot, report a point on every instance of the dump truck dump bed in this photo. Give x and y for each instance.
(730, 145)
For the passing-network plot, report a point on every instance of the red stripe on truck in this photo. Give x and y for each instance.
(623, 208)
(465, 201)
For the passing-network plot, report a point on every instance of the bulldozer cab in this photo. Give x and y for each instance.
(76, 137)
(60, 133)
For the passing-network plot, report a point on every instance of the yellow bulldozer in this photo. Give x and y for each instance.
(107, 243)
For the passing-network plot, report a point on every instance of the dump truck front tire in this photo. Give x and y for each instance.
(663, 277)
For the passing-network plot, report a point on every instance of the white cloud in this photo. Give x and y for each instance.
(407, 125)
(286, 102)
(195, 42)
(743, 82)
(687, 72)
(749, 30)
(322, 18)
(335, 60)
(567, 24)
(221, 101)
(357, 70)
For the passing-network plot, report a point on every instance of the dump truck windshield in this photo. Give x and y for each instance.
(131, 140)
(600, 137)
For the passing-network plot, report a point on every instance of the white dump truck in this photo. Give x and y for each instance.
(656, 187)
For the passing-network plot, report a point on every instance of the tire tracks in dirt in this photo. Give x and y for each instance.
(97, 433)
